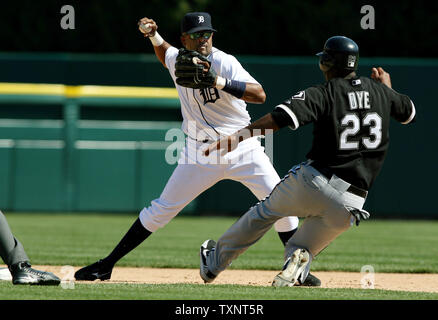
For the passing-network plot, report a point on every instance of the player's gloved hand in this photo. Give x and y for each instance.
(358, 214)
(193, 70)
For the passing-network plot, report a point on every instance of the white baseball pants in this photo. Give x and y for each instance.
(247, 164)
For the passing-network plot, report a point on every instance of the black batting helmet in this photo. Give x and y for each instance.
(340, 53)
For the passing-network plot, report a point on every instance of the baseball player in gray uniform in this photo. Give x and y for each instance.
(208, 114)
(13, 254)
(351, 116)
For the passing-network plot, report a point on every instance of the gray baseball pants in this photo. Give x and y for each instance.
(305, 193)
(11, 250)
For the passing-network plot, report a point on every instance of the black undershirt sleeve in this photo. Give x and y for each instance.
(281, 118)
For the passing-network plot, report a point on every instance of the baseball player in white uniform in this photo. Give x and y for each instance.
(208, 114)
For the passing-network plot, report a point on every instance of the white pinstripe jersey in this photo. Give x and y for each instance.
(213, 108)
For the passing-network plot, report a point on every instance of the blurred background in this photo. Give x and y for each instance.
(83, 125)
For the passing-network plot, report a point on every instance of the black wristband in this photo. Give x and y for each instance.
(235, 88)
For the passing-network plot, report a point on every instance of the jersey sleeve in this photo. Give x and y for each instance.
(402, 107)
(231, 68)
(170, 59)
(304, 107)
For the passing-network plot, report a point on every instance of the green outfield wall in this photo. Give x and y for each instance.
(87, 133)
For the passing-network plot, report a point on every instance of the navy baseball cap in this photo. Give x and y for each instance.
(196, 21)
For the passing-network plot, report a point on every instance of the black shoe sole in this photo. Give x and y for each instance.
(102, 277)
(311, 281)
(38, 283)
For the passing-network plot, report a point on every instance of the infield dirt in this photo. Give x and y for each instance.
(384, 281)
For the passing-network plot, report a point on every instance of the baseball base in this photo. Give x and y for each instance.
(5, 274)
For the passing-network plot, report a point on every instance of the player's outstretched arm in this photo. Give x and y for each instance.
(254, 93)
(249, 92)
(257, 128)
(148, 28)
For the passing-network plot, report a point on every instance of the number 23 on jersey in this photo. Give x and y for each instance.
(359, 100)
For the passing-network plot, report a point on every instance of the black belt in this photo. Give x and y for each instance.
(328, 174)
(203, 141)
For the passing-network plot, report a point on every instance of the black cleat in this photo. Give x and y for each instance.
(205, 250)
(98, 270)
(22, 273)
(311, 281)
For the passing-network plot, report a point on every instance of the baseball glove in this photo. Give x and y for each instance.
(193, 70)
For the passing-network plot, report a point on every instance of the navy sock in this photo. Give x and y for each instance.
(135, 235)
(285, 236)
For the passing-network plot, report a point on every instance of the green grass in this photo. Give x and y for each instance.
(198, 292)
(80, 239)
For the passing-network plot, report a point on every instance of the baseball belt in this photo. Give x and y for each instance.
(328, 173)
